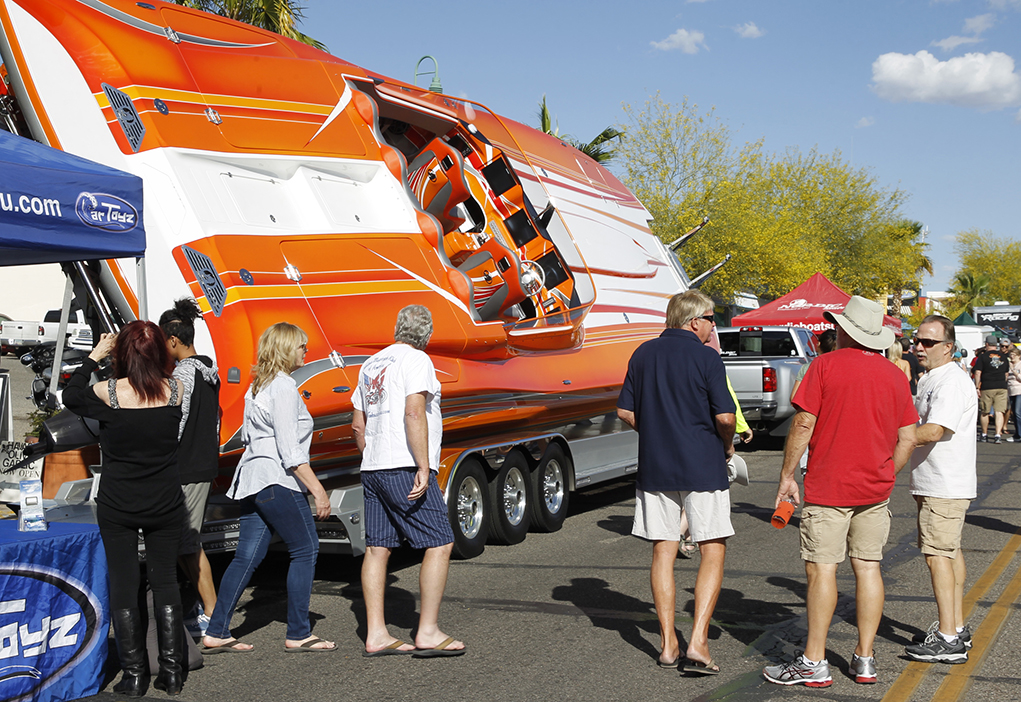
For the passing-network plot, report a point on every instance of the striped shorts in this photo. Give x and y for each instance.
(391, 518)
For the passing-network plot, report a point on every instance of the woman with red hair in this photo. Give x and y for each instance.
(139, 417)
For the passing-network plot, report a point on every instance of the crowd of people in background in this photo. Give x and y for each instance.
(859, 421)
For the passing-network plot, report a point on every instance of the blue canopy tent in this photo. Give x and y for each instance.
(55, 207)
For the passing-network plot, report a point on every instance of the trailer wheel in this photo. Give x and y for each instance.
(548, 487)
(508, 501)
(466, 509)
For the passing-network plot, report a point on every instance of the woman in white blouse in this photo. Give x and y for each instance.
(270, 482)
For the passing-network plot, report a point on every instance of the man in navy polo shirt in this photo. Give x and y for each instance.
(675, 396)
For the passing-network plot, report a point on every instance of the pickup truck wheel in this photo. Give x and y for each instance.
(548, 490)
(466, 509)
(508, 501)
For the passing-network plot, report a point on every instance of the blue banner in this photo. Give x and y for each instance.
(53, 613)
(58, 207)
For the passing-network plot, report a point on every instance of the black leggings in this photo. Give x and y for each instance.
(120, 541)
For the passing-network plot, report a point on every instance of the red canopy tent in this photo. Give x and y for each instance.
(803, 307)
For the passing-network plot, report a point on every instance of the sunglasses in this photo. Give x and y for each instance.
(303, 347)
(927, 343)
(709, 318)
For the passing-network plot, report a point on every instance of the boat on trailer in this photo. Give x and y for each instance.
(285, 184)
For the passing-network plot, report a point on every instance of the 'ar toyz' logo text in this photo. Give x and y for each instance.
(107, 212)
(48, 622)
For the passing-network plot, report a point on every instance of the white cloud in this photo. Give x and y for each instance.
(748, 30)
(986, 81)
(686, 41)
(865, 122)
(1005, 4)
(979, 23)
(952, 42)
(973, 29)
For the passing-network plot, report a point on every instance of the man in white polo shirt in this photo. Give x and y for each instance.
(943, 481)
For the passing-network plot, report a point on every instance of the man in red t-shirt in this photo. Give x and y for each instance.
(856, 416)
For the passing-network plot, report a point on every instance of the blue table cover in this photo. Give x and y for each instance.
(53, 612)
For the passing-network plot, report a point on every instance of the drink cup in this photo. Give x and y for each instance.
(782, 515)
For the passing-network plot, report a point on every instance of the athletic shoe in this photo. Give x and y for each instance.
(983, 438)
(935, 649)
(863, 668)
(197, 627)
(964, 634)
(1013, 440)
(998, 439)
(798, 672)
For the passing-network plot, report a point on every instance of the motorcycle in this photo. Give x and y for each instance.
(40, 360)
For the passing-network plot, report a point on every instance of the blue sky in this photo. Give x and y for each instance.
(924, 93)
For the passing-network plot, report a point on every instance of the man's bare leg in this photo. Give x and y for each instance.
(707, 592)
(960, 574)
(1001, 421)
(821, 604)
(664, 595)
(373, 590)
(432, 581)
(983, 422)
(869, 595)
(944, 587)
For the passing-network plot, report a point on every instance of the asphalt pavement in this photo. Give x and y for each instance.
(569, 615)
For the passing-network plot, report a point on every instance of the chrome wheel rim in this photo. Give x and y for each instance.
(469, 507)
(553, 486)
(515, 501)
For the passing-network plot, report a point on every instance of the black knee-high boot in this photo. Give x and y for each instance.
(129, 632)
(169, 633)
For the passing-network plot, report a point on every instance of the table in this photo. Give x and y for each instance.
(54, 618)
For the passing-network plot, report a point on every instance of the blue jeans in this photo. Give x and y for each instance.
(1015, 407)
(286, 512)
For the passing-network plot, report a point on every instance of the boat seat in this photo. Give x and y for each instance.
(454, 189)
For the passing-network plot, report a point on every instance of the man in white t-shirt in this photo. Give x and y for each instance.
(398, 428)
(943, 481)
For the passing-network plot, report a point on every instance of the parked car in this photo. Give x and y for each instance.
(20, 336)
(762, 364)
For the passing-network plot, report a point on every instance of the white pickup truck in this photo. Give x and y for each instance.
(20, 336)
(762, 364)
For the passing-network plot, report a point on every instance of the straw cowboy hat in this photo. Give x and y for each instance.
(863, 321)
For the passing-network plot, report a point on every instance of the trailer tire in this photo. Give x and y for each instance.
(549, 494)
(466, 509)
(509, 514)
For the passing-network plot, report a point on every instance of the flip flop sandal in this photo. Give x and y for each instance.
(393, 649)
(699, 668)
(229, 647)
(307, 647)
(671, 664)
(440, 651)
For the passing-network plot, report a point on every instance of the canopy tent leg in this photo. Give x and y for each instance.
(58, 351)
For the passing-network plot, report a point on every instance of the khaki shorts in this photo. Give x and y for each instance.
(827, 533)
(994, 399)
(195, 497)
(940, 523)
(658, 515)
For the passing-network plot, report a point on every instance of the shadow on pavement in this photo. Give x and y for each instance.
(991, 523)
(613, 611)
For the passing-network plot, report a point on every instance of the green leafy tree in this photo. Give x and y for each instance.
(599, 149)
(783, 217)
(280, 16)
(989, 258)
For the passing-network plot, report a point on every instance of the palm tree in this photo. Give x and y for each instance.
(280, 16)
(599, 149)
(969, 288)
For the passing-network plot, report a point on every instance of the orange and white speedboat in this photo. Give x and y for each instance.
(282, 183)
